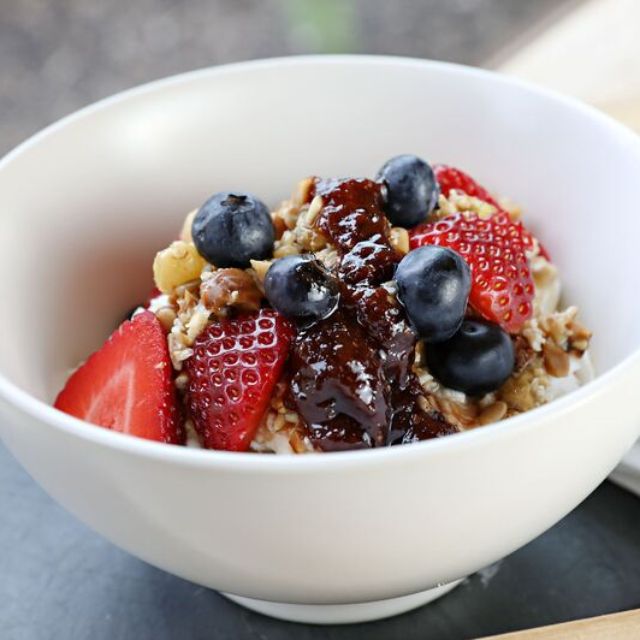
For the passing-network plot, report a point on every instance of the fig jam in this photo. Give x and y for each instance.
(351, 212)
(339, 374)
(353, 382)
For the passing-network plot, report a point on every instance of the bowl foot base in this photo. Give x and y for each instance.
(343, 613)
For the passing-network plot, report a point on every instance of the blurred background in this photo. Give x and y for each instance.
(59, 55)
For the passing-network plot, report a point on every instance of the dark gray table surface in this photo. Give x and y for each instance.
(59, 580)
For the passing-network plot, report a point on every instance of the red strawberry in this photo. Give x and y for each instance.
(529, 240)
(127, 384)
(502, 289)
(450, 178)
(232, 374)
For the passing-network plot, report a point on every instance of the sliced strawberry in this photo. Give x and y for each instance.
(530, 242)
(451, 178)
(127, 384)
(232, 374)
(502, 288)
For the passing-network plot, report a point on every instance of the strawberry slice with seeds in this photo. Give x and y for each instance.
(502, 289)
(450, 178)
(127, 385)
(233, 371)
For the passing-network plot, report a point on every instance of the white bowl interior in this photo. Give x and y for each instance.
(85, 206)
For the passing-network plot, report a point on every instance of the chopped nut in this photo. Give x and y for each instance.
(196, 324)
(298, 443)
(314, 209)
(178, 349)
(185, 233)
(261, 267)
(279, 422)
(517, 391)
(286, 249)
(308, 238)
(579, 346)
(186, 299)
(579, 336)
(460, 202)
(419, 354)
(291, 417)
(181, 381)
(186, 293)
(533, 334)
(493, 413)
(463, 415)
(278, 225)
(486, 400)
(180, 262)
(556, 325)
(288, 213)
(399, 239)
(514, 211)
(304, 234)
(543, 271)
(556, 360)
(167, 316)
(230, 288)
(329, 257)
(303, 190)
(523, 351)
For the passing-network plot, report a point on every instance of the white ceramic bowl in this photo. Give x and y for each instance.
(84, 206)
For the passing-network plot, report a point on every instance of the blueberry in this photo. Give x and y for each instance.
(433, 285)
(230, 229)
(410, 190)
(300, 287)
(477, 360)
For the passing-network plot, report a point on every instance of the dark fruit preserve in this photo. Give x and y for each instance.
(352, 379)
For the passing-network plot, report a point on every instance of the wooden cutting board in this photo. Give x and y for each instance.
(619, 626)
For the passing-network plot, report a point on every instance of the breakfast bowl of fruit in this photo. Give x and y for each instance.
(327, 356)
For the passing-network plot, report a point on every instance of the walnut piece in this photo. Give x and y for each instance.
(399, 239)
(167, 316)
(493, 413)
(227, 288)
(261, 267)
(521, 392)
(556, 360)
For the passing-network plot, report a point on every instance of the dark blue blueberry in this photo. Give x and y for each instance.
(230, 229)
(433, 285)
(410, 190)
(301, 288)
(477, 360)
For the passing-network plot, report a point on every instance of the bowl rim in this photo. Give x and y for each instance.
(41, 411)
